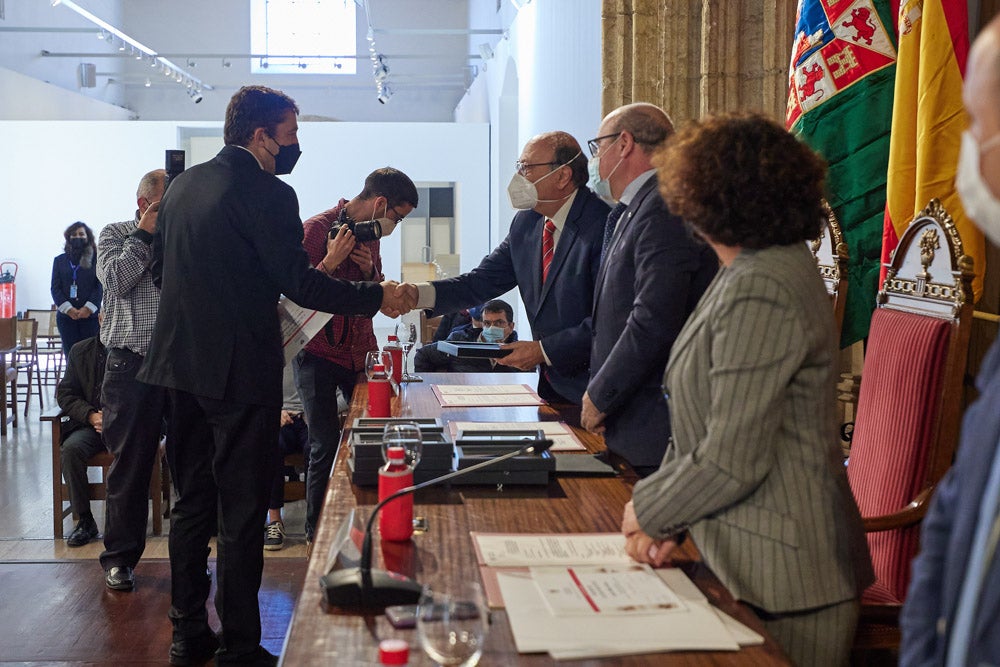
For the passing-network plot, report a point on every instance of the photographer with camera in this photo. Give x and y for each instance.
(344, 243)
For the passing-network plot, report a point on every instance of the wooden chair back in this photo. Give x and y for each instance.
(8, 373)
(909, 407)
(830, 252)
(27, 360)
(50, 352)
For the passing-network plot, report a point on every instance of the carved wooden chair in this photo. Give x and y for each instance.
(909, 408)
(830, 252)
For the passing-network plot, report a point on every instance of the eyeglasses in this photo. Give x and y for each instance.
(595, 144)
(495, 323)
(399, 218)
(523, 167)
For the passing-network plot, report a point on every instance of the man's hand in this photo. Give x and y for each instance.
(83, 312)
(398, 299)
(147, 222)
(640, 546)
(362, 256)
(526, 355)
(337, 249)
(286, 417)
(96, 420)
(591, 418)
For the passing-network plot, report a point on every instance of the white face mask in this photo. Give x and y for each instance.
(980, 204)
(523, 193)
(386, 223)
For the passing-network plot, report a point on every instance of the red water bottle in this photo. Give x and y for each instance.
(395, 523)
(396, 350)
(379, 392)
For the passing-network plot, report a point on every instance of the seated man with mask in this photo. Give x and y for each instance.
(496, 326)
(343, 242)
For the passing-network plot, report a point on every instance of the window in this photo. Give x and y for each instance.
(286, 32)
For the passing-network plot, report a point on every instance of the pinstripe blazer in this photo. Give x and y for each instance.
(753, 467)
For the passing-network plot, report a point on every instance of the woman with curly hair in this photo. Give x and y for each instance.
(753, 470)
(76, 291)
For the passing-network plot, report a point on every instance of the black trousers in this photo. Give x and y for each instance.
(222, 457)
(133, 420)
(292, 439)
(317, 380)
(76, 449)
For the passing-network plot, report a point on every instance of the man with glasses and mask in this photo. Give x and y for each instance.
(652, 276)
(494, 324)
(335, 357)
(551, 254)
(228, 244)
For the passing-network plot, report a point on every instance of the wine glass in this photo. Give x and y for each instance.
(407, 335)
(378, 357)
(452, 627)
(406, 435)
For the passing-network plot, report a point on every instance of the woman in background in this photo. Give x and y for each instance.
(76, 291)
(753, 470)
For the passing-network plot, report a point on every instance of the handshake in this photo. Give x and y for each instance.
(398, 298)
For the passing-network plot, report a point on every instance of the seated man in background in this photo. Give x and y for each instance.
(293, 438)
(79, 398)
(496, 326)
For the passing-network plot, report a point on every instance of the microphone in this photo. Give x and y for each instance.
(366, 589)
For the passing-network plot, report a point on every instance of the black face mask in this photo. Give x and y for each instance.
(285, 158)
(77, 243)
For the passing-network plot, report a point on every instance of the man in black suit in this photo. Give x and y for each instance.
(229, 242)
(551, 254)
(651, 277)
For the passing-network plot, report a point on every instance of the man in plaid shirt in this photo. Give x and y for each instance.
(133, 410)
(336, 356)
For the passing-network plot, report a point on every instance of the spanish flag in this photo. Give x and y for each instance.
(927, 123)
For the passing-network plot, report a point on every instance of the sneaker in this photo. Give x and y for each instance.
(274, 536)
(309, 547)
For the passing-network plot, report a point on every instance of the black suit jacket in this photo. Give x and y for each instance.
(79, 392)
(652, 277)
(559, 311)
(228, 243)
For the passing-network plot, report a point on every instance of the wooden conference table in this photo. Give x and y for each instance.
(443, 556)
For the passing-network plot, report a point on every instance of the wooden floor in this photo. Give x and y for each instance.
(54, 606)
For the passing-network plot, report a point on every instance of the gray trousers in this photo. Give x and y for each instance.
(79, 446)
(816, 637)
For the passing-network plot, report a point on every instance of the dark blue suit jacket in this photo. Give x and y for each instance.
(652, 277)
(559, 311)
(946, 537)
(228, 244)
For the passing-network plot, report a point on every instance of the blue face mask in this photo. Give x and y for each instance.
(601, 186)
(493, 334)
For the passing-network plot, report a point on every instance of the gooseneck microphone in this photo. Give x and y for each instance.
(365, 589)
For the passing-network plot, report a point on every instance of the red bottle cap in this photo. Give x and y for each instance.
(396, 453)
(393, 337)
(393, 652)
(378, 367)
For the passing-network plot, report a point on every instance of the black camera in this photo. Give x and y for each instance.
(370, 230)
(174, 166)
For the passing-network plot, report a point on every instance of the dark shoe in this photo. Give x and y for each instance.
(85, 531)
(194, 651)
(259, 658)
(120, 578)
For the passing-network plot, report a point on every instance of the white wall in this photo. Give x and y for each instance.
(55, 173)
(545, 75)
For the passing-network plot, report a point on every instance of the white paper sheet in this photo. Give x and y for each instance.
(483, 389)
(536, 630)
(606, 590)
(298, 326)
(562, 437)
(534, 549)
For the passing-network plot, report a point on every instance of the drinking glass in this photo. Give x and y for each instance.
(407, 335)
(452, 627)
(406, 435)
(378, 357)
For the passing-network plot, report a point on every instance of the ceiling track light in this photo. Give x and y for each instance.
(110, 34)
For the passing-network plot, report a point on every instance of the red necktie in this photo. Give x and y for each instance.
(548, 245)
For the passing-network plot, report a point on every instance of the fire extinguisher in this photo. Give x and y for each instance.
(7, 289)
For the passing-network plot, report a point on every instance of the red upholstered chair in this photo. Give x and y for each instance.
(909, 407)
(830, 252)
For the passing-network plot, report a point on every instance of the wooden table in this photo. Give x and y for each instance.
(443, 556)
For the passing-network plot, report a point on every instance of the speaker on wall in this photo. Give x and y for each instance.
(87, 75)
